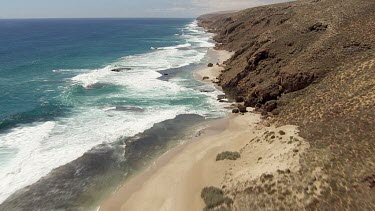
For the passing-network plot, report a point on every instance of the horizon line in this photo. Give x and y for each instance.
(41, 18)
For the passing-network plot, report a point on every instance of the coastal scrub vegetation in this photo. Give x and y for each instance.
(227, 155)
(214, 197)
(304, 63)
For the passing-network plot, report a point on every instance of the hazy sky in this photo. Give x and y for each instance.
(119, 8)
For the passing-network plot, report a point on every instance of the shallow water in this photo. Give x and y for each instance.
(60, 97)
(84, 182)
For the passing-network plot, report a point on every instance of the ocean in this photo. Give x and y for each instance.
(70, 85)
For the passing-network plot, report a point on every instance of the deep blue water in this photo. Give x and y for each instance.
(59, 96)
(31, 49)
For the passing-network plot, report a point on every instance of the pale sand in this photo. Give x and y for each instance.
(176, 179)
(215, 57)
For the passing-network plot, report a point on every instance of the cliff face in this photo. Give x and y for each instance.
(311, 63)
(285, 47)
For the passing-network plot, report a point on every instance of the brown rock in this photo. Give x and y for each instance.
(296, 81)
(241, 108)
(210, 65)
(270, 92)
(236, 111)
(262, 55)
(221, 97)
(120, 69)
(251, 101)
(318, 27)
(270, 105)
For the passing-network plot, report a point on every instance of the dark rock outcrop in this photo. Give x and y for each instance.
(236, 111)
(296, 81)
(221, 97)
(121, 69)
(270, 92)
(318, 27)
(270, 105)
(241, 108)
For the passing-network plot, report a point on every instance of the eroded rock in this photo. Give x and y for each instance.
(295, 81)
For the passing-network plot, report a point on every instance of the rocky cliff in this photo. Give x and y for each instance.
(310, 63)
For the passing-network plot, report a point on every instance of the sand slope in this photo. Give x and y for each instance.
(176, 180)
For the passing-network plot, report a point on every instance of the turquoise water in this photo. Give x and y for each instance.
(59, 96)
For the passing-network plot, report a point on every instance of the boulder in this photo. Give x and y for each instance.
(241, 108)
(210, 65)
(221, 97)
(206, 89)
(270, 105)
(270, 92)
(205, 78)
(251, 101)
(236, 111)
(120, 69)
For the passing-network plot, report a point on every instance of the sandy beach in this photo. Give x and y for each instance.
(216, 57)
(175, 180)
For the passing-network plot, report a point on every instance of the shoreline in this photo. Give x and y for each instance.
(216, 58)
(134, 182)
(98, 172)
(176, 179)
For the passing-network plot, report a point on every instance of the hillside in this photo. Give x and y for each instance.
(311, 64)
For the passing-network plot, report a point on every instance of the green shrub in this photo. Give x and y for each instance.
(228, 155)
(214, 197)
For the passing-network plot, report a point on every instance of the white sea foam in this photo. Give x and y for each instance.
(162, 58)
(19, 171)
(69, 70)
(144, 65)
(39, 148)
(175, 47)
(45, 146)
